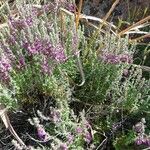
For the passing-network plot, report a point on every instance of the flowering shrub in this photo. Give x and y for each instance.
(32, 48)
(43, 58)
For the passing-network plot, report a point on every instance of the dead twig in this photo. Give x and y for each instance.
(140, 38)
(6, 121)
(134, 25)
(78, 14)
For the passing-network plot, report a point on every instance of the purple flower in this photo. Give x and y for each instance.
(116, 59)
(44, 47)
(70, 138)
(20, 23)
(87, 125)
(58, 54)
(21, 61)
(139, 141)
(35, 11)
(144, 140)
(55, 115)
(125, 72)
(11, 39)
(35, 47)
(25, 44)
(71, 7)
(88, 137)
(29, 21)
(38, 44)
(32, 50)
(79, 130)
(139, 128)
(63, 146)
(148, 141)
(52, 7)
(4, 76)
(41, 133)
(110, 58)
(5, 68)
(46, 69)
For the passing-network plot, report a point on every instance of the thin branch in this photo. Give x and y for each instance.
(102, 142)
(134, 25)
(111, 10)
(107, 15)
(6, 121)
(78, 14)
(140, 38)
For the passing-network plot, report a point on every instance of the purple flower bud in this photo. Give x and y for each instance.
(58, 54)
(70, 138)
(32, 50)
(79, 130)
(148, 141)
(4, 76)
(41, 133)
(55, 114)
(20, 23)
(29, 21)
(63, 146)
(139, 141)
(139, 127)
(5, 67)
(25, 44)
(71, 7)
(21, 61)
(52, 7)
(87, 125)
(46, 69)
(88, 137)
(110, 58)
(125, 72)
(144, 140)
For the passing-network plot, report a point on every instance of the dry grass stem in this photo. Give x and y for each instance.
(134, 25)
(140, 38)
(111, 10)
(78, 13)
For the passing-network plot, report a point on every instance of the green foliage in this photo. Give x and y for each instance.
(125, 142)
(112, 90)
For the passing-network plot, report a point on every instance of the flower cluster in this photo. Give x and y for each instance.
(116, 59)
(145, 140)
(63, 146)
(71, 7)
(70, 138)
(139, 128)
(142, 138)
(41, 133)
(5, 68)
(55, 115)
(85, 130)
(20, 23)
(41, 46)
(21, 61)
